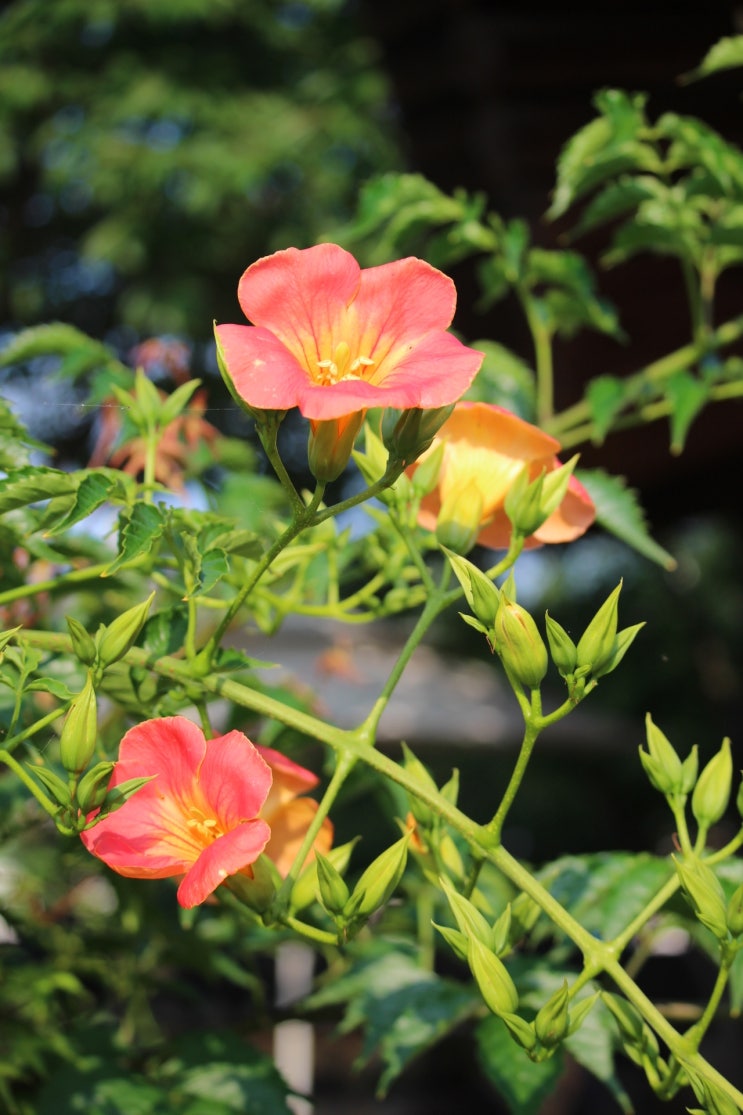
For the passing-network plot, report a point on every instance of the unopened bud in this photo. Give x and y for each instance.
(597, 644)
(414, 432)
(496, 986)
(734, 912)
(380, 879)
(304, 891)
(469, 919)
(93, 786)
(563, 651)
(334, 893)
(660, 762)
(257, 890)
(479, 591)
(519, 644)
(121, 634)
(330, 445)
(426, 475)
(460, 518)
(551, 1023)
(520, 1030)
(705, 894)
(413, 766)
(83, 646)
(78, 739)
(712, 791)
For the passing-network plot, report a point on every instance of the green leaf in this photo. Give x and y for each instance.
(604, 891)
(31, 485)
(98, 486)
(605, 395)
(55, 338)
(139, 529)
(165, 631)
(616, 199)
(687, 396)
(726, 54)
(619, 512)
(694, 145)
(214, 566)
(523, 1084)
(402, 1008)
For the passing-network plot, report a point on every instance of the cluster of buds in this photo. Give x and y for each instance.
(721, 915)
(351, 909)
(599, 650)
(482, 944)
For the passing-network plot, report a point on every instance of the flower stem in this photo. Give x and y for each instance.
(30, 783)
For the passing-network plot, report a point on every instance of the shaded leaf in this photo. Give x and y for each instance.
(726, 54)
(31, 485)
(687, 396)
(605, 395)
(618, 511)
(522, 1083)
(139, 529)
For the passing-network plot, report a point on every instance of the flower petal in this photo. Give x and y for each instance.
(301, 295)
(289, 781)
(234, 779)
(261, 368)
(228, 854)
(171, 747)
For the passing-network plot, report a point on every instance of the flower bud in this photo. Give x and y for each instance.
(51, 781)
(426, 476)
(551, 1023)
(519, 644)
(456, 941)
(496, 986)
(501, 934)
(520, 1030)
(459, 520)
(597, 644)
(258, 890)
(304, 891)
(469, 919)
(330, 445)
(479, 591)
(93, 786)
(414, 432)
(734, 912)
(705, 894)
(660, 762)
(629, 1021)
(562, 648)
(334, 893)
(413, 766)
(78, 739)
(380, 879)
(712, 791)
(120, 635)
(83, 646)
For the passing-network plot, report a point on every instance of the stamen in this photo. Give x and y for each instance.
(341, 367)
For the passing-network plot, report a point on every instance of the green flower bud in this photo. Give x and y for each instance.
(304, 891)
(413, 766)
(479, 591)
(115, 798)
(258, 891)
(712, 791)
(426, 476)
(580, 1010)
(734, 913)
(334, 893)
(414, 432)
(520, 1030)
(78, 739)
(562, 648)
(451, 857)
(496, 986)
(93, 786)
(705, 894)
(330, 445)
(469, 919)
(519, 644)
(83, 646)
(120, 635)
(51, 781)
(501, 934)
(689, 769)
(631, 1026)
(597, 644)
(661, 763)
(551, 1023)
(456, 941)
(380, 880)
(523, 503)
(460, 518)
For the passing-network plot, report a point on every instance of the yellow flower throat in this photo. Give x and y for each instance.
(341, 367)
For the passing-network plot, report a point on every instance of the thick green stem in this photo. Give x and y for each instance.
(30, 783)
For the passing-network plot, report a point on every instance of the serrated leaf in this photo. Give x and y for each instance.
(139, 530)
(213, 566)
(32, 485)
(604, 891)
(687, 396)
(96, 488)
(619, 511)
(402, 1008)
(615, 200)
(605, 395)
(54, 338)
(523, 1084)
(165, 631)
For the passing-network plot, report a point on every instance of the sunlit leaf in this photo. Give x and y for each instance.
(523, 1084)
